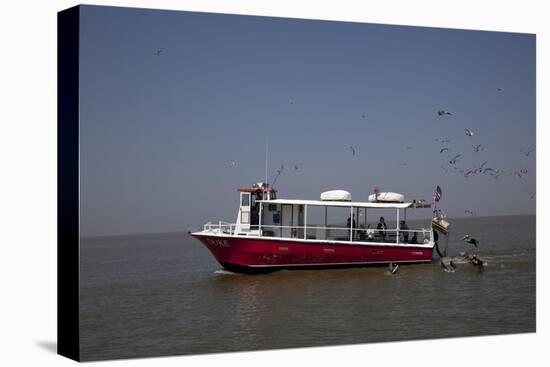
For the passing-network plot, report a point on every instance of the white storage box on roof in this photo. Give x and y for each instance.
(336, 195)
(387, 197)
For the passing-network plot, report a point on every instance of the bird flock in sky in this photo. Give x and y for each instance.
(452, 160)
(453, 164)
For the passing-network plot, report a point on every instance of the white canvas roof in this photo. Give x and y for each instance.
(355, 204)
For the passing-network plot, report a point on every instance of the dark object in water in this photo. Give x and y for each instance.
(448, 266)
(476, 260)
(470, 240)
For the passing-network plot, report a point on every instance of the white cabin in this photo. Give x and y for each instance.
(262, 214)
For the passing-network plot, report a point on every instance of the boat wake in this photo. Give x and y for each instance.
(225, 272)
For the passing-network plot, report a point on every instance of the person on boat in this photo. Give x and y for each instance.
(351, 221)
(403, 226)
(381, 227)
(255, 216)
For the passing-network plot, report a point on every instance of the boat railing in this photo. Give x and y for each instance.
(220, 227)
(313, 232)
(391, 235)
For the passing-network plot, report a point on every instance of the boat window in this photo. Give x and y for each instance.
(245, 199)
(389, 215)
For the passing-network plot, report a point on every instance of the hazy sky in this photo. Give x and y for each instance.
(158, 131)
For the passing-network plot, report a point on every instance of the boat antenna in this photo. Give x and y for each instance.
(266, 157)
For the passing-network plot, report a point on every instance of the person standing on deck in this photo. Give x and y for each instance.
(381, 227)
(351, 222)
(403, 226)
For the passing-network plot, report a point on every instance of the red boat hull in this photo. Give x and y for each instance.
(244, 254)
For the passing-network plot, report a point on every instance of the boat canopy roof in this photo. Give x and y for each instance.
(355, 204)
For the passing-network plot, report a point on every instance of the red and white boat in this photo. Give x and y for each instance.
(272, 233)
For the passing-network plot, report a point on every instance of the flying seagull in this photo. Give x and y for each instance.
(158, 52)
(453, 160)
(409, 148)
(443, 113)
(477, 148)
(470, 240)
(394, 269)
(352, 150)
(480, 168)
(469, 172)
(232, 164)
(516, 173)
(469, 132)
(489, 169)
(443, 149)
(279, 171)
(529, 152)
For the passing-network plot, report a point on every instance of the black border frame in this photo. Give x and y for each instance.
(68, 213)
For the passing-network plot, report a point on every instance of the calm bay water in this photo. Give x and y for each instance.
(164, 294)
